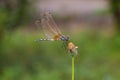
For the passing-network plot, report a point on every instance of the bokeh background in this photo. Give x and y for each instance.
(93, 25)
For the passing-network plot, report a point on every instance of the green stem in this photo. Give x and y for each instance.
(72, 67)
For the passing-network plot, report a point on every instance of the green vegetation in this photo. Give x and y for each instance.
(23, 59)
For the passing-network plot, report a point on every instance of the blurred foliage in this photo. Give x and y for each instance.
(115, 9)
(13, 13)
(23, 59)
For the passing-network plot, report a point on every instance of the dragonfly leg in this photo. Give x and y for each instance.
(64, 44)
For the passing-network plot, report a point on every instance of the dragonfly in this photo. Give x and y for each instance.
(50, 29)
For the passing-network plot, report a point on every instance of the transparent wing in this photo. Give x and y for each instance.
(41, 24)
(48, 25)
(51, 23)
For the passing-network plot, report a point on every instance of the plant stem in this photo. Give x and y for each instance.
(72, 67)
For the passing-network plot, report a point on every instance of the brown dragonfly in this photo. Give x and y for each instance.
(50, 28)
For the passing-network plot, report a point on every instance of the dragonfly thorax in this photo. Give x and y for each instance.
(64, 38)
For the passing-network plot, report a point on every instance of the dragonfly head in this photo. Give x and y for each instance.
(67, 38)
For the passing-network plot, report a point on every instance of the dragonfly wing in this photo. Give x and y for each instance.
(42, 26)
(49, 26)
(51, 23)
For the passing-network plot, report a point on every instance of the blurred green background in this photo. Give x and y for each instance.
(94, 27)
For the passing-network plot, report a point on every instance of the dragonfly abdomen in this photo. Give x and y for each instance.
(44, 40)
